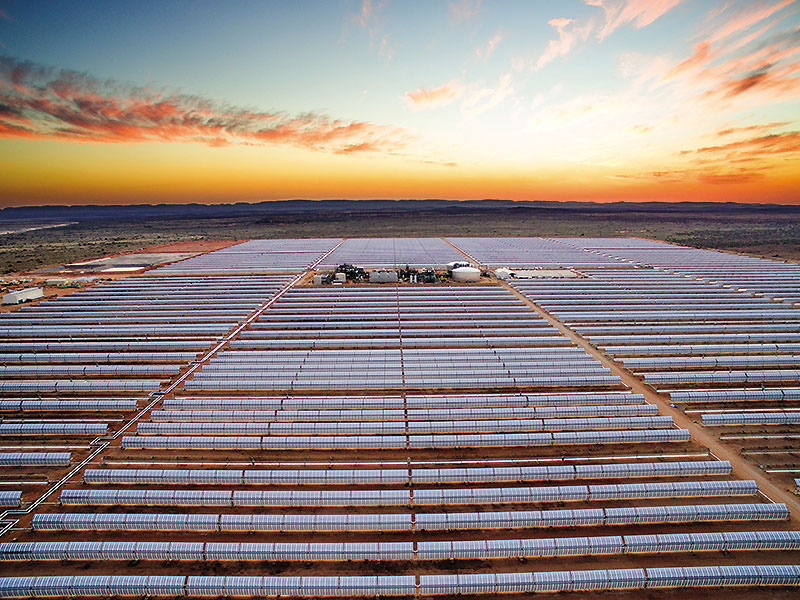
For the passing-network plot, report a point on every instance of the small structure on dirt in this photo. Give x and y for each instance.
(20, 296)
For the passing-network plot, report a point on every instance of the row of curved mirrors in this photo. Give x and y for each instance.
(220, 427)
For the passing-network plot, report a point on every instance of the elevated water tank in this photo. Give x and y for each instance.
(466, 274)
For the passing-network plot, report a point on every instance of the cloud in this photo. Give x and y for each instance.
(714, 94)
(425, 98)
(752, 14)
(730, 178)
(369, 18)
(758, 73)
(385, 49)
(750, 129)
(742, 63)
(639, 13)
(569, 36)
(738, 162)
(461, 10)
(616, 13)
(701, 55)
(588, 111)
(761, 146)
(719, 9)
(739, 86)
(719, 42)
(359, 147)
(673, 176)
(705, 175)
(38, 102)
(369, 11)
(487, 98)
(775, 81)
(486, 51)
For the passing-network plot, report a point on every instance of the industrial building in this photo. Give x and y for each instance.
(20, 296)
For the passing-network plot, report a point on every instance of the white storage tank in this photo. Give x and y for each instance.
(22, 295)
(466, 274)
(383, 276)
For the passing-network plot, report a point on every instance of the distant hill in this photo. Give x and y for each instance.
(145, 211)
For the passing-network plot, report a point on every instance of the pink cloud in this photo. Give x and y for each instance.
(744, 160)
(750, 129)
(701, 55)
(729, 71)
(766, 74)
(616, 13)
(425, 98)
(41, 103)
(762, 146)
(639, 13)
(754, 13)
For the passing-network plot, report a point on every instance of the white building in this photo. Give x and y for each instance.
(20, 296)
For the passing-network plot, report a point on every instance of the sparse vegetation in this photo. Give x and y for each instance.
(772, 232)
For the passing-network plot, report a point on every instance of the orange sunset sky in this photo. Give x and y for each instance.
(141, 102)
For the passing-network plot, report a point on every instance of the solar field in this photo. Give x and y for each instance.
(218, 426)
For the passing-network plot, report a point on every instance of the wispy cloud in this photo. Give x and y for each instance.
(369, 12)
(487, 98)
(704, 175)
(425, 98)
(569, 36)
(760, 146)
(702, 118)
(743, 161)
(735, 64)
(748, 16)
(616, 13)
(700, 56)
(464, 9)
(369, 18)
(43, 103)
(385, 49)
(484, 52)
(750, 129)
(639, 13)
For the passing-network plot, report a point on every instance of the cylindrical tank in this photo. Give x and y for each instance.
(466, 274)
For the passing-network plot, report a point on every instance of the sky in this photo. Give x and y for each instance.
(604, 100)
